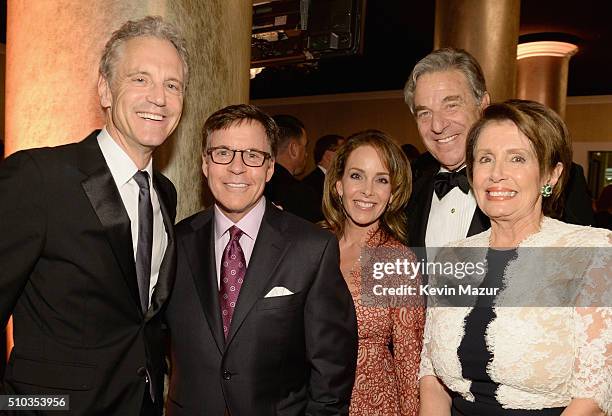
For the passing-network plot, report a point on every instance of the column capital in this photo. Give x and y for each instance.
(545, 48)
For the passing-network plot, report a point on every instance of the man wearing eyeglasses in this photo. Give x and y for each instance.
(260, 318)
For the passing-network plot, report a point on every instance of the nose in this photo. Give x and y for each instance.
(438, 122)
(367, 188)
(157, 94)
(237, 165)
(497, 171)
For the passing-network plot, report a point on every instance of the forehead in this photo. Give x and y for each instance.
(247, 134)
(148, 53)
(441, 84)
(366, 158)
(501, 136)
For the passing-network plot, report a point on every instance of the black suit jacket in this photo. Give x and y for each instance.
(292, 195)
(288, 355)
(315, 180)
(68, 277)
(576, 197)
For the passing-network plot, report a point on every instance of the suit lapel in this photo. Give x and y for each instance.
(200, 248)
(168, 265)
(269, 249)
(105, 199)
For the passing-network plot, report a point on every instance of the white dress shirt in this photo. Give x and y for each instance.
(249, 224)
(122, 169)
(450, 217)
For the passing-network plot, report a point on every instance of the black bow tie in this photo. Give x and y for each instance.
(445, 181)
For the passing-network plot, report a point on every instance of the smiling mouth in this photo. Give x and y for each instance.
(448, 139)
(501, 194)
(362, 204)
(150, 116)
(236, 185)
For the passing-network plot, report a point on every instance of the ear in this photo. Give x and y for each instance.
(293, 148)
(485, 101)
(205, 166)
(555, 174)
(269, 170)
(104, 92)
(339, 188)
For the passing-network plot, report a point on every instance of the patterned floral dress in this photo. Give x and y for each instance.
(390, 340)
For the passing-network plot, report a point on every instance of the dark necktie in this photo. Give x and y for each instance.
(445, 181)
(144, 248)
(233, 270)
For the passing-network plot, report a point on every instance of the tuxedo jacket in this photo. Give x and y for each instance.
(285, 355)
(67, 275)
(293, 196)
(576, 197)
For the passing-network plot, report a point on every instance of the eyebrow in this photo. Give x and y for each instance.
(131, 74)
(377, 173)
(452, 98)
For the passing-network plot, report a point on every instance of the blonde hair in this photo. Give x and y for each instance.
(393, 220)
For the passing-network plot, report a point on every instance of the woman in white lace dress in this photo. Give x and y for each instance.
(524, 351)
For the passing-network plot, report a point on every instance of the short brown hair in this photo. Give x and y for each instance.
(393, 221)
(152, 26)
(234, 115)
(547, 134)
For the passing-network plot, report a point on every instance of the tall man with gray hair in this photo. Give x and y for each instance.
(446, 93)
(87, 249)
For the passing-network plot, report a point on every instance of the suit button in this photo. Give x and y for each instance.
(142, 372)
(227, 375)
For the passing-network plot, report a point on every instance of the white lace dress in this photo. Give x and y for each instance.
(542, 357)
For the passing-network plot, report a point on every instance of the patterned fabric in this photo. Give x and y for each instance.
(386, 383)
(543, 357)
(233, 270)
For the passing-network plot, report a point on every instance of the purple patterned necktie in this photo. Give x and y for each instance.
(233, 269)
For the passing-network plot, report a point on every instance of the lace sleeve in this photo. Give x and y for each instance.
(407, 341)
(592, 375)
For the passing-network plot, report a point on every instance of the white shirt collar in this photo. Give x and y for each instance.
(322, 169)
(119, 163)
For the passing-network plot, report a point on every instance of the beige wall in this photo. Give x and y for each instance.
(589, 118)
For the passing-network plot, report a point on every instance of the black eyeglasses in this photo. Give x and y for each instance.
(250, 157)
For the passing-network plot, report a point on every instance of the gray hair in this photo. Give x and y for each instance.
(153, 26)
(446, 59)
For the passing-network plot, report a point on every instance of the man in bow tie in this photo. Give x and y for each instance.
(261, 321)
(446, 93)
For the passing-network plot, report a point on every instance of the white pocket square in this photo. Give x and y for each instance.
(278, 291)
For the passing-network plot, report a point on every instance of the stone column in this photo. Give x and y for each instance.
(542, 72)
(53, 49)
(488, 30)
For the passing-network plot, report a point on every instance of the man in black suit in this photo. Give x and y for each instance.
(284, 189)
(324, 153)
(87, 248)
(261, 321)
(446, 92)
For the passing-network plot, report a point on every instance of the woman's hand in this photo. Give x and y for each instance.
(435, 401)
(582, 407)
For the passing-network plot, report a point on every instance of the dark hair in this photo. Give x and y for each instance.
(410, 151)
(547, 134)
(235, 115)
(604, 203)
(152, 26)
(392, 221)
(289, 127)
(325, 143)
(447, 59)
